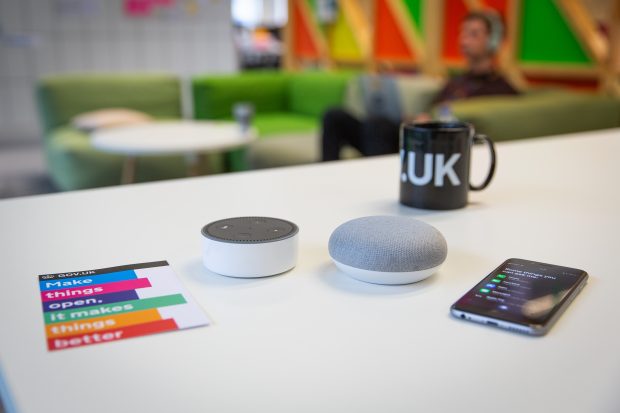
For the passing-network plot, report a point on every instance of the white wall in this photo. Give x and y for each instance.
(252, 13)
(40, 37)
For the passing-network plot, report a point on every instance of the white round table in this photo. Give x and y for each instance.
(190, 138)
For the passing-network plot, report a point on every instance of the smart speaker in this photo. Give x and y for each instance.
(250, 247)
(387, 249)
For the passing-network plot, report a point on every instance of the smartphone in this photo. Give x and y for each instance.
(522, 296)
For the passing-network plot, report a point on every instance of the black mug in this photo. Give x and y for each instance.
(435, 160)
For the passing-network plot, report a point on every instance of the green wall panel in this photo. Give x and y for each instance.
(546, 37)
(415, 12)
(313, 6)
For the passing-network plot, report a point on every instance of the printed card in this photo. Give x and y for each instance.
(110, 304)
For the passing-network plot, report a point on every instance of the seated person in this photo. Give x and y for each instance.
(479, 39)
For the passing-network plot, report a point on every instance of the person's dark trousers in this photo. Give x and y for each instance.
(373, 136)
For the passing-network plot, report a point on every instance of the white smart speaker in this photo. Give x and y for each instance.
(249, 247)
(387, 249)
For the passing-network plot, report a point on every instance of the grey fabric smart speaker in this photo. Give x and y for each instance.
(387, 249)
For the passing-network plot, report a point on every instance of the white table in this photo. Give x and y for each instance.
(190, 138)
(314, 340)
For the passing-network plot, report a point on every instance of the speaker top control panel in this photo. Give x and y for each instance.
(243, 230)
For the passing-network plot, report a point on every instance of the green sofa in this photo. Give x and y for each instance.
(73, 162)
(539, 113)
(289, 108)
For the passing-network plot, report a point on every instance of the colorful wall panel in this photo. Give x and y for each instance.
(304, 43)
(390, 42)
(541, 42)
(416, 11)
(342, 42)
(546, 36)
(454, 11)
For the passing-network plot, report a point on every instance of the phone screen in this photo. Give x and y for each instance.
(522, 292)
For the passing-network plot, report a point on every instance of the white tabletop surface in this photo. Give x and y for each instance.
(314, 340)
(172, 137)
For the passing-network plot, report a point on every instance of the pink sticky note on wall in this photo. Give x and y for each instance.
(138, 8)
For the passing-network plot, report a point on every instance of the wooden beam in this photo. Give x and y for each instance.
(560, 71)
(315, 33)
(289, 62)
(409, 29)
(396, 65)
(358, 22)
(508, 53)
(474, 5)
(584, 27)
(371, 63)
(614, 38)
(611, 81)
(433, 36)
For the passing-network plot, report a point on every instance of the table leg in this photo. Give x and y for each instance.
(194, 161)
(128, 174)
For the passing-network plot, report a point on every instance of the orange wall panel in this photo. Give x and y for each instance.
(303, 44)
(389, 41)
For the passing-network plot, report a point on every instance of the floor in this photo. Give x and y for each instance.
(23, 170)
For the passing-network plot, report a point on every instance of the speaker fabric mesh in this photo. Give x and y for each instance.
(388, 243)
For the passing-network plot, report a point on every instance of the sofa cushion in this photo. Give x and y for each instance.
(64, 96)
(286, 150)
(314, 92)
(215, 95)
(278, 123)
(541, 113)
(290, 149)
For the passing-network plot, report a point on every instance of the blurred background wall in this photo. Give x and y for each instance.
(42, 37)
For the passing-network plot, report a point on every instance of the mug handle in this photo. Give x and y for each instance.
(479, 138)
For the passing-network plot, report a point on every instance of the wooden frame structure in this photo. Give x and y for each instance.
(409, 34)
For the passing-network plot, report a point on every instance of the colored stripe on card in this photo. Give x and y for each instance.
(112, 309)
(101, 323)
(90, 301)
(87, 280)
(96, 290)
(104, 336)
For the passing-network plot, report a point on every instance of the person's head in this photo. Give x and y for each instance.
(480, 35)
